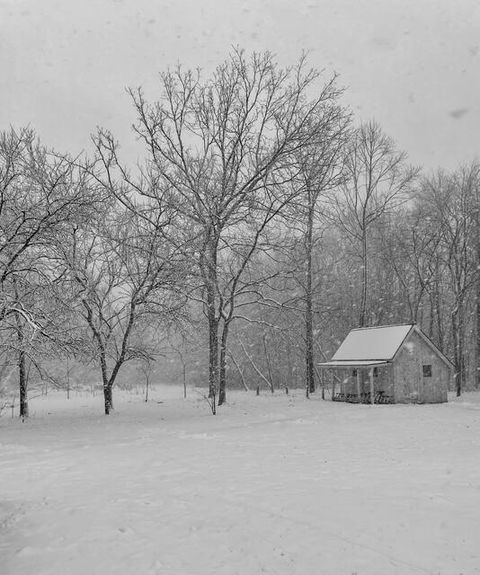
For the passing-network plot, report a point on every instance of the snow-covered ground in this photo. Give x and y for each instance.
(273, 484)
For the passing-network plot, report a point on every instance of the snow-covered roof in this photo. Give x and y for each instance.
(353, 363)
(372, 343)
(370, 346)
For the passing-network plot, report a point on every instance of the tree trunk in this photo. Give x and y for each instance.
(438, 309)
(458, 350)
(108, 397)
(210, 275)
(212, 352)
(184, 381)
(431, 316)
(290, 381)
(363, 305)
(267, 360)
(461, 356)
(22, 371)
(222, 392)
(147, 385)
(309, 362)
(22, 376)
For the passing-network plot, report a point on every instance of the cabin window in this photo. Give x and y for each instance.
(354, 373)
(375, 372)
(427, 371)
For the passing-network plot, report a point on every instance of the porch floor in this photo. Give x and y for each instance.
(379, 397)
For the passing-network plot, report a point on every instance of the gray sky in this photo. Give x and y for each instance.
(414, 65)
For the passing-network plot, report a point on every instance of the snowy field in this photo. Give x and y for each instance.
(273, 484)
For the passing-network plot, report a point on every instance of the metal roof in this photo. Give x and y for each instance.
(370, 346)
(372, 343)
(351, 364)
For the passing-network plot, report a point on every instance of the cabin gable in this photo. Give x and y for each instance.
(420, 374)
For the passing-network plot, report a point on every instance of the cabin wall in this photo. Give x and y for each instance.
(410, 384)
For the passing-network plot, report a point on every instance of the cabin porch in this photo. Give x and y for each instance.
(361, 382)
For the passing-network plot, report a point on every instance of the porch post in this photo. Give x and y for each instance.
(358, 384)
(372, 397)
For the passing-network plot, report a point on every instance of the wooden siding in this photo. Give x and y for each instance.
(410, 385)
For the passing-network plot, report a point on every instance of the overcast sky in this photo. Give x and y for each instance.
(414, 65)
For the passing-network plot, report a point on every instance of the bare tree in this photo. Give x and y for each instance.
(378, 180)
(408, 246)
(40, 192)
(125, 279)
(224, 148)
(321, 171)
(471, 176)
(452, 200)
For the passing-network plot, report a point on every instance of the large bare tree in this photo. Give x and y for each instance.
(224, 148)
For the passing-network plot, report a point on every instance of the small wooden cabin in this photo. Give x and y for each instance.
(389, 364)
